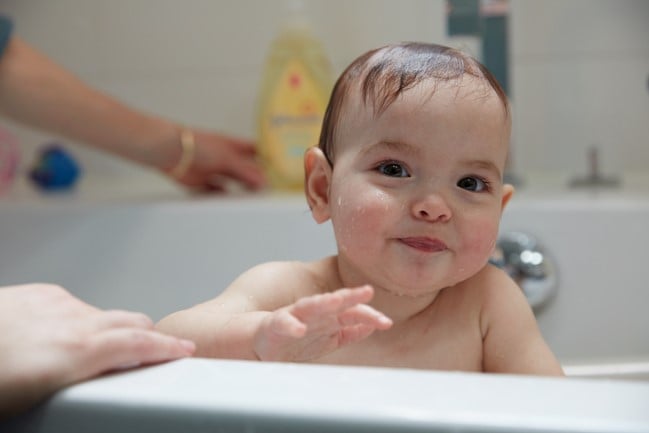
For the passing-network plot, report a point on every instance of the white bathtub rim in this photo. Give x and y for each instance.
(358, 396)
(613, 370)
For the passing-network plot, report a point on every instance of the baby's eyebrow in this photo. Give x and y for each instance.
(395, 146)
(483, 164)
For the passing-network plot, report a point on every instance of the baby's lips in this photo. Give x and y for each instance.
(425, 244)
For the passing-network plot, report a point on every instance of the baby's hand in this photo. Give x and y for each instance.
(319, 324)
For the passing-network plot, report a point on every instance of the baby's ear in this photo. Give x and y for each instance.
(508, 192)
(317, 173)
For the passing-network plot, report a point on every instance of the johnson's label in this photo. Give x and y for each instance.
(291, 123)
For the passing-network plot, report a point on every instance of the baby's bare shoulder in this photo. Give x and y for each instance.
(274, 284)
(489, 292)
(501, 299)
(490, 284)
(287, 273)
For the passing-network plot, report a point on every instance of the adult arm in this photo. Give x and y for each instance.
(39, 93)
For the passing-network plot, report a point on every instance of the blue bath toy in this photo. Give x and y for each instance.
(55, 169)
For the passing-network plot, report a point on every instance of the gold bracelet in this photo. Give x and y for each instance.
(188, 145)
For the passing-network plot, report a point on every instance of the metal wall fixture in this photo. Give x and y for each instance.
(525, 260)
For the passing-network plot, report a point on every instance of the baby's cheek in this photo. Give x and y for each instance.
(357, 222)
(481, 241)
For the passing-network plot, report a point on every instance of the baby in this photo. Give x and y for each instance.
(409, 169)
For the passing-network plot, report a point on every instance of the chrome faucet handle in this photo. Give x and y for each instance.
(525, 260)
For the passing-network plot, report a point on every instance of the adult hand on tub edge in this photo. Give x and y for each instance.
(40, 94)
(50, 339)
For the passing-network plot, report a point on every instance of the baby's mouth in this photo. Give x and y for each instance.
(424, 244)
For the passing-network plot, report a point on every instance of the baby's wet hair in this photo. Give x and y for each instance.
(385, 73)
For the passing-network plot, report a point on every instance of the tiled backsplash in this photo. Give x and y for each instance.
(579, 67)
(580, 71)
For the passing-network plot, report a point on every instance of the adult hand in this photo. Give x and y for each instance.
(319, 324)
(219, 158)
(50, 339)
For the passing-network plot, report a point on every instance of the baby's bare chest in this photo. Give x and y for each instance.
(448, 346)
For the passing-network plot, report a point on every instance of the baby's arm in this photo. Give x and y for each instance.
(258, 317)
(512, 340)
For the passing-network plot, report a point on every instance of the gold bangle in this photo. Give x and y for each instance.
(188, 145)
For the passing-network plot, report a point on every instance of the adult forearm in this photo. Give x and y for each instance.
(37, 92)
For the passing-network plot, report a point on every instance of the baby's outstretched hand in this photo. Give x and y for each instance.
(319, 324)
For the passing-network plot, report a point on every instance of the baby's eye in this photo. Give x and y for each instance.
(393, 169)
(473, 184)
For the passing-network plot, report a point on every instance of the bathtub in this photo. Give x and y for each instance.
(158, 256)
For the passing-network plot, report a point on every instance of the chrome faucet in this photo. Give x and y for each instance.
(524, 259)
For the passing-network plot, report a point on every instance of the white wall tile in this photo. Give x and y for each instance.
(578, 27)
(579, 73)
(563, 107)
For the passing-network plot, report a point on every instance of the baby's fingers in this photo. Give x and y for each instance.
(364, 315)
(285, 324)
(352, 334)
(278, 332)
(331, 303)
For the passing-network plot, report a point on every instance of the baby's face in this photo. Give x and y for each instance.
(416, 193)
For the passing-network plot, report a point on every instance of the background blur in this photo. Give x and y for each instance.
(578, 69)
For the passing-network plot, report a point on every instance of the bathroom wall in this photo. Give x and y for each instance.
(579, 68)
(580, 72)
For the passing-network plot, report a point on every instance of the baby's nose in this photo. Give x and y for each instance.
(432, 207)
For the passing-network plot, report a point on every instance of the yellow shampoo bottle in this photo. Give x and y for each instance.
(293, 98)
